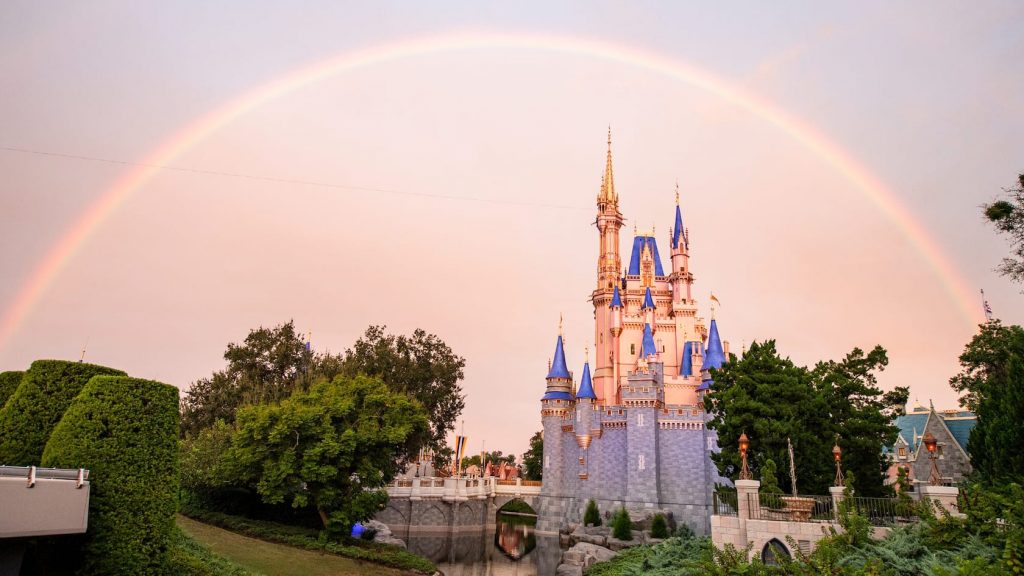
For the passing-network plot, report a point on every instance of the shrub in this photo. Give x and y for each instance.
(36, 406)
(187, 557)
(125, 431)
(622, 527)
(659, 527)
(8, 383)
(592, 517)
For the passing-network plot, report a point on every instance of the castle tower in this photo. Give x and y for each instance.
(643, 398)
(556, 409)
(681, 278)
(586, 427)
(609, 265)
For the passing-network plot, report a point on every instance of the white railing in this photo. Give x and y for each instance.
(460, 488)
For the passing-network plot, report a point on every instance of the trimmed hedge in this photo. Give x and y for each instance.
(37, 405)
(125, 431)
(188, 557)
(8, 383)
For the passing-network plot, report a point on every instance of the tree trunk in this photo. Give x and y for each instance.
(323, 516)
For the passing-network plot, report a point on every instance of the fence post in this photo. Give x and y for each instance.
(944, 496)
(746, 495)
(837, 498)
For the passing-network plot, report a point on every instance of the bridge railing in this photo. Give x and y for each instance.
(461, 488)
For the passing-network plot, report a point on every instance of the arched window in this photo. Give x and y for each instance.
(773, 551)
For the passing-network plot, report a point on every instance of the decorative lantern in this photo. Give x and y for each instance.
(744, 445)
(932, 445)
(837, 454)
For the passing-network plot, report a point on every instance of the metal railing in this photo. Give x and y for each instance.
(884, 511)
(724, 504)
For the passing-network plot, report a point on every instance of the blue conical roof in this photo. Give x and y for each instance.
(616, 299)
(648, 300)
(558, 367)
(679, 231)
(686, 366)
(715, 356)
(648, 346)
(639, 242)
(586, 387)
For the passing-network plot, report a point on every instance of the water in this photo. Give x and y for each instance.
(508, 548)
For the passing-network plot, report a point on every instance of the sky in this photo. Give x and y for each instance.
(831, 160)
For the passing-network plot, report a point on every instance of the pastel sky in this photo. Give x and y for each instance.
(453, 189)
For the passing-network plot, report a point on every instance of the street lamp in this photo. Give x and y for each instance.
(837, 453)
(744, 444)
(931, 445)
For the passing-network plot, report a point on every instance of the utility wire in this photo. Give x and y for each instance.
(287, 180)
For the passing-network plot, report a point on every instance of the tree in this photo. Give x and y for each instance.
(861, 414)
(533, 459)
(495, 458)
(592, 516)
(771, 399)
(268, 366)
(334, 447)
(421, 365)
(991, 381)
(1008, 217)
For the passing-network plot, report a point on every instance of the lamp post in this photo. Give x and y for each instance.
(744, 444)
(931, 445)
(837, 453)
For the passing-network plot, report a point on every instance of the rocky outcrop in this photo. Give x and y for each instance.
(383, 534)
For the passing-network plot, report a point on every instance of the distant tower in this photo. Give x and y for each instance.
(609, 265)
(556, 409)
(681, 278)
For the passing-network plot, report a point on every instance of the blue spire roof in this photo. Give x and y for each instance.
(648, 346)
(679, 231)
(586, 387)
(648, 300)
(716, 355)
(638, 247)
(686, 366)
(616, 299)
(558, 367)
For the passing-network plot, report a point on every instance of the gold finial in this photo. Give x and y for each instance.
(677, 192)
(608, 181)
(635, 230)
(559, 323)
(586, 354)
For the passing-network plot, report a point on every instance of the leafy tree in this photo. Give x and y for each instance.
(533, 459)
(592, 516)
(771, 399)
(659, 526)
(861, 414)
(1008, 217)
(495, 458)
(442, 460)
(334, 447)
(9, 381)
(769, 481)
(991, 381)
(622, 526)
(420, 365)
(204, 458)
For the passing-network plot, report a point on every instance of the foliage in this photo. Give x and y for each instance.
(9, 381)
(991, 381)
(420, 365)
(659, 527)
(334, 447)
(517, 506)
(124, 430)
(442, 460)
(770, 399)
(204, 458)
(310, 540)
(622, 527)
(769, 482)
(533, 459)
(32, 412)
(861, 414)
(673, 557)
(187, 557)
(269, 365)
(592, 516)
(1008, 217)
(495, 458)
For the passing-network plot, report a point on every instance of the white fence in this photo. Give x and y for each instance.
(465, 488)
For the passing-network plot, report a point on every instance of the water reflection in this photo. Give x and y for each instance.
(509, 548)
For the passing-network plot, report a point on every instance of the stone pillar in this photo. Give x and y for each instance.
(944, 496)
(746, 496)
(837, 498)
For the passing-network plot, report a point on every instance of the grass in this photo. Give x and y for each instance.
(263, 557)
(187, 557)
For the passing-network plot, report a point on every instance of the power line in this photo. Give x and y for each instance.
(294, 181)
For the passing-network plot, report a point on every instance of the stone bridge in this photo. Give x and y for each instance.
(451, 504)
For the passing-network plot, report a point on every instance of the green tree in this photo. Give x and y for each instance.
(495, 458)
(9, 381)
(204, 458)
(771, 399)
(334, 447)
(592, 516)
(861, 414)
(622, 526)
(1008, 217)
(769, 480)
(533, 459)
(420, 365)
(991, 383)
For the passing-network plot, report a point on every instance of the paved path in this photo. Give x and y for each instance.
(277, 559)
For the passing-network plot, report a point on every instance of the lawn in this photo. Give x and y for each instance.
(277, 559)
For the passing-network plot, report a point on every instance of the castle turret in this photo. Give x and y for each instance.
(609, 222)
(609, 386)
(584, 423)
(648, 309)
(715, 356)
(681, 278)
(556, 409)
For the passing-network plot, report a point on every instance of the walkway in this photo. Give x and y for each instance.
(277, 559)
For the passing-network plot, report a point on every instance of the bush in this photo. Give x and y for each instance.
(592, 517)
(125, 431)
(190, 558)
(659, 527)
(8, 383)
(36, 406)
(622, 527)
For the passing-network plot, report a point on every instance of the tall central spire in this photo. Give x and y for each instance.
(608, 181)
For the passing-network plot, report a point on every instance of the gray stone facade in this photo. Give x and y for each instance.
(642, 454)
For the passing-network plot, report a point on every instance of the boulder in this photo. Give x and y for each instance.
(569, 570)
(616, 545)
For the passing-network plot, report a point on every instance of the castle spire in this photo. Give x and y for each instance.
(716, 354)
(608, 180)
(558, 367)
(586, 386)
(678, 231)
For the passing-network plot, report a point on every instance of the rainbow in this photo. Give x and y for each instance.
(198, 130)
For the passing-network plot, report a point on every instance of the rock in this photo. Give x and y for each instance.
(390, 541)
(596, 539)
(569, 570)
(602, 530)
(615, 544)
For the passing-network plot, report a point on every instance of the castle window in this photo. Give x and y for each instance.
(939, 449)
(680, 412)
(632, 349)
(582, 461)
(663, 348)
(547, 461)
(639, 420)
(578, 415)
(902, 452)
(640, 462)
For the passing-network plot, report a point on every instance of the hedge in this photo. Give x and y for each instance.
(125, 431)
(8, 383)
(30, 414)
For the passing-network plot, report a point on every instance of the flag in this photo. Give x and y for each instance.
(460, 448)
(715, 300)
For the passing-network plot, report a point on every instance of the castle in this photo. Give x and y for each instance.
(633, 433)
